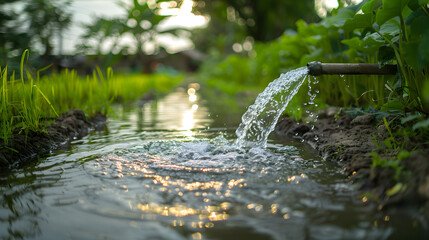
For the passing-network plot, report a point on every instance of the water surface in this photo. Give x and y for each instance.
(169, 170)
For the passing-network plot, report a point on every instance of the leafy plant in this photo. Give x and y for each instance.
(396, 31)
(373, 32)
(394, 163)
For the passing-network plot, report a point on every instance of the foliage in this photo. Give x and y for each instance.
(33, 26)
(45, 17)
(12, 37)
(242, 22)
(141, 22)
(27, 103)
(373, 32)
(405, 135)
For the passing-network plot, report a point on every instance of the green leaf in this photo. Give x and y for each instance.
(386, 55)
(416, 51)
(403, 155)
(359, 21)
(410, 118)
(395, 189)
(393, 105)
(424, 49)
(419, 23)
(390, 9)
(389, 143)
(367, 45)
(411, 53)
(339, 19)
(370, 6)
(391, 27)
(421, 124)
(413, 4)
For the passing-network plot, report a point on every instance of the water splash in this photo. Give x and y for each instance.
(260, 118)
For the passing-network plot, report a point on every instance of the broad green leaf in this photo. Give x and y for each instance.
(362, 45)
(391, 27)
(339, 19)
(393, 105)
(359, 21)
(390, 9)
(416, 51)
(413, 4)
(424, 49)
(374, 39)
(370, 6)
(414, 16)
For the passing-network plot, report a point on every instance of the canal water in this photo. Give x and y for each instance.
(169, 169)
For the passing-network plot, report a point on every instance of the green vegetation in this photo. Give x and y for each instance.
(243, 22)
(27, 104)
(32, 23)
(372, 32)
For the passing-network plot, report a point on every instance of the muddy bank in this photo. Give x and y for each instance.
(67, 127)
(349, 141)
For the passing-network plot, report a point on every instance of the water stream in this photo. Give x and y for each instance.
(170, 170)
(260, 118)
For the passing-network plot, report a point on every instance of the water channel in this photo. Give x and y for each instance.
(168, 169)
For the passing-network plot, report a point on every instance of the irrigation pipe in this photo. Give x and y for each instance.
(318, 68)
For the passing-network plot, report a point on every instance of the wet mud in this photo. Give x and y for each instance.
(349, 141)
(28, 146)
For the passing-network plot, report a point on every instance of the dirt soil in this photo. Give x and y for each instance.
(24, 147)
(348, 141)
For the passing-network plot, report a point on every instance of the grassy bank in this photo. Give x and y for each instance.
(31, 102)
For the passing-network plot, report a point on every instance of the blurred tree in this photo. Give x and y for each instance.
(12, 36)
(263, 20)
(100, 31)
(260, 20)
(141, 23)
(45, 17)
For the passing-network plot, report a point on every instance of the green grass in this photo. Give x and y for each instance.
(31, 102)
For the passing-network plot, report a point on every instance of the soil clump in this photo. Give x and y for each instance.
(351, 142)
(25, 146)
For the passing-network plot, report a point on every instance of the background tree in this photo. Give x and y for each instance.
(141, 23)
(46, 17)
(12, 36)
(260, 20)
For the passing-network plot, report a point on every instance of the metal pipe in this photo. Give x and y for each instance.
(318, 68)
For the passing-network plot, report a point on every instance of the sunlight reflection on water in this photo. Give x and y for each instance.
(146, 177)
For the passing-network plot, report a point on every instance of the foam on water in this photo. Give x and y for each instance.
(217, 155)
(260, 118)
